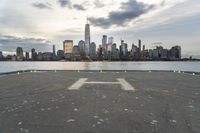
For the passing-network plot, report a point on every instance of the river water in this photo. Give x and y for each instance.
(179, 66)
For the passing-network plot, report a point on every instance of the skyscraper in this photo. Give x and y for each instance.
(175, 53)
(81, 45)
(76, 53)
(33, 54)
(60, 54)
(124, 48)
(93, 50)
(19, 52)
(54, 50)
(143, 49)
(104, 41)
(139, 45)
(87, 39)
(109, 45)
(27, 56)
(1, 55)
(68, 46)
(110, 40)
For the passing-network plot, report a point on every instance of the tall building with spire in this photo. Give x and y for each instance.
(87, 38)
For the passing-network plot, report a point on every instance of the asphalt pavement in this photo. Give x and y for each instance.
(99, 102)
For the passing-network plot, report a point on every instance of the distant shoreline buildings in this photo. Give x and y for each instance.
(88, 51)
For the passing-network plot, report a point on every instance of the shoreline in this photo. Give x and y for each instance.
(198, 60)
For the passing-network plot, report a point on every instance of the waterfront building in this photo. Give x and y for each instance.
(1, 56)
(104, 41)
(27, 55)
(109, 48)
(100, 52)
(110, 40)
(93, 51)
(144, 53)
(124, 47)
(104, 46)
(54, 50)
(114, 47)
(143, 48)
(76, 50)
(47, 56)
(19, 53)
(81, 45)
(150, 55)
(60, 54)
(68, 46)
(87, 39)
(139, 45)
(134, 52)
(117, 54)
(76, 53)
(114, 52)
(40, 56)
(164, 54)
(33, 54)
(123, 50)
(68, 49)
(175, 53)
(13, 58)
(155, 54)
(134, 49)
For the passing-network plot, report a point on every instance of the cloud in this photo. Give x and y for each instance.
(10, 43)
(129, 11)
(46, 5)
(14, 20)
(64, 3)
(73, 31)
(98, 4)
(67, 3)
(79, 7)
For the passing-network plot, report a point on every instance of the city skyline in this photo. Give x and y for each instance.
(107, 51)
(58, 20)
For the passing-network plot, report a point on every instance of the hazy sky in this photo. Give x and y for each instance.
(41, 23)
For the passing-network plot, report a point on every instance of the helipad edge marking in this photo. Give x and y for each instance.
(77, 84)
(126, 85)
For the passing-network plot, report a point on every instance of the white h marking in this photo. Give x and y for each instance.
(125, 85)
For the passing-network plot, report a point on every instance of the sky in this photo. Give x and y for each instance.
(42, 23)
